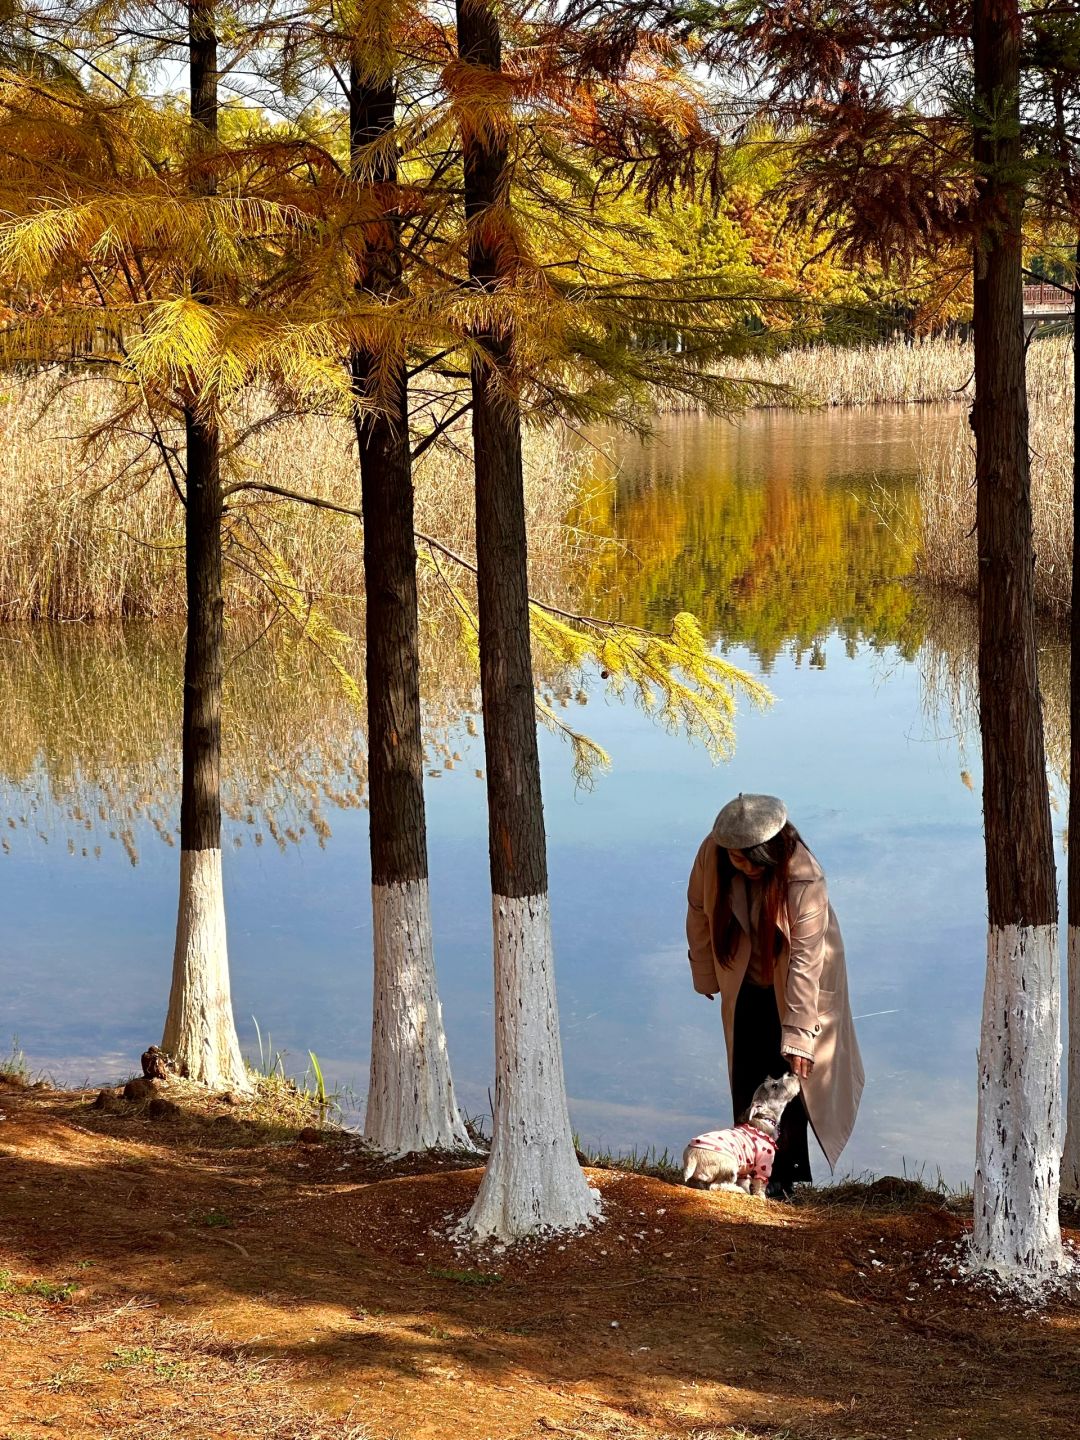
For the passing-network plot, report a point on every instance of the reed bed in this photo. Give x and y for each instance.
(91, 527)
(930, 370)
(947, 555)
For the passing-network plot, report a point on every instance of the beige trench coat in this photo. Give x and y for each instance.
(810, 980)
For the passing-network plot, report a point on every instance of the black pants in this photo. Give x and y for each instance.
(756, 1056)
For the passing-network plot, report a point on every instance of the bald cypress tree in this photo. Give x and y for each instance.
(532, 1179)
(200, 1032)
(1019, 1128)
(891, 168)
(410, 1103)
(1051, 94)
(115, 216)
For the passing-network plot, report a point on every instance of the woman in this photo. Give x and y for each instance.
(764, 937)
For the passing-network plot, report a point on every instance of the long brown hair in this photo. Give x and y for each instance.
(774, 856)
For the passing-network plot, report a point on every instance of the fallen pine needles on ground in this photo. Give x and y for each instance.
(173, 1277)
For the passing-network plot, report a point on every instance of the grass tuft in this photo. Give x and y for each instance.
(282, 1103)
(54, 1291)
(898, 1193)
(280, 1100)
(14, 1069)
(661, 1165)
(145, 1357)
(211, 1219)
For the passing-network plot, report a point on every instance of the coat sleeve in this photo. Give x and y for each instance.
(699, 931)
(809, 927)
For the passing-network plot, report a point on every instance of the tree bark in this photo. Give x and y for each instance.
(1019, 1134)
(200, 1032)
(1070, 1164)
(410, 1104)
(532, 1180)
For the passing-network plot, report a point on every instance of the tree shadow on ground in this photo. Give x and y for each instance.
(683, 1309)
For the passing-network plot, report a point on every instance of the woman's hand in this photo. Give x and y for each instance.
(800, 1065)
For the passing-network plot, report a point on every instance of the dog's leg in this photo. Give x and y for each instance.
(757, 1188)
(727, 1185)
(725, 1174)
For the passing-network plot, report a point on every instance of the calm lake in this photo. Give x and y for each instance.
(772, 534)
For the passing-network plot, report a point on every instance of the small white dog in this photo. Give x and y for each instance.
(741, 1157)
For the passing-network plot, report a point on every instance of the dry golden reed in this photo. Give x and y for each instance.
(92, 529)
(923, 371)
(947, 556)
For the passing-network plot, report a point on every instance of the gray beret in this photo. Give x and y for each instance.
(749, 820)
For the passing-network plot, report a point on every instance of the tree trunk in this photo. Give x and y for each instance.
(200, 1032)
(1019, 1131)
(533, 1180)
(410, 1104)
(1070, 1164)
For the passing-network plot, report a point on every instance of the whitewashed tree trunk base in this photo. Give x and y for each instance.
(1016, 1237)
(533, 1182)
(411, 1104)
(1070, 1163)
(200, 1032)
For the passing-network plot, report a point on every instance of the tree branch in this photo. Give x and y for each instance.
(441, 429)
(319, 503)
(315, 500)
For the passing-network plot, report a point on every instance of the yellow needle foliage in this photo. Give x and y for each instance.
(674, 677)
(109, 256)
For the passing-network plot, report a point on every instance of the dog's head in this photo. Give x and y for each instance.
(771, 1099)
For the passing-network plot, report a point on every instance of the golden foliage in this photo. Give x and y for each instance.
(675, 677)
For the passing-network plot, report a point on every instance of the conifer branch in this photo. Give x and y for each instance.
(319, 502)
(440, 429)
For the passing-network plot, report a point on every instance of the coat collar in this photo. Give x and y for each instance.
(803, 869)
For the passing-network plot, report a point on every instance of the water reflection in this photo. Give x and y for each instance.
(948, 666)
(771, 534)
(780, 532)
(89, 752)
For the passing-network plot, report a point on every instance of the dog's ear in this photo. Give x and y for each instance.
(743, 1119)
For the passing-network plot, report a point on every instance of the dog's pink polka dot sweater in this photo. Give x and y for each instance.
(751, 1150)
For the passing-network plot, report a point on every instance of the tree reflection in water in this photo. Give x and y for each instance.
(948, 665)
(775, 535)
(90, 744)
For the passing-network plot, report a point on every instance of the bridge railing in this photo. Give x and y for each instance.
(1046, 297)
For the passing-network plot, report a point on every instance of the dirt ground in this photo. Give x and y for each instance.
(203, 1275)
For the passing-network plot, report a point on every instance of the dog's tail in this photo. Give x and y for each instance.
(690, 1163)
